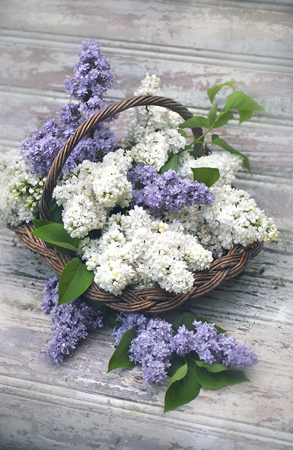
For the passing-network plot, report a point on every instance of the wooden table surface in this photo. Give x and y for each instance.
(191, 45)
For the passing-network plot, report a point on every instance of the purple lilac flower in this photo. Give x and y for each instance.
(102, 142)
(212, 347)
(183, 342)
(71, 118)
(151, 348)
(92, 75)
(70, 322)
(135, 321)
(42, 147)
(50, 299)
(92, 78)
(167, 191)
(236, 356)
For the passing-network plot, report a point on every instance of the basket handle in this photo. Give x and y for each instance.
(87, 125)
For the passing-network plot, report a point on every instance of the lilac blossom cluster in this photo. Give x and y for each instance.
(212, 347)
(131, 321)
(92, 77)
(167, 191)
(150, 347)
(155, 344)
(71, 322)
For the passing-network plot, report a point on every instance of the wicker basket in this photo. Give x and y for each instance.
(131, 300)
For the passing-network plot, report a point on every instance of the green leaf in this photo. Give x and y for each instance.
(206, 175)
(129, 145)
(181, 389)
(120, 357)
(221, 143)
(179, 374)
(214, 368)
(56, 215)
(215, 89)
(222, 120)
(74, 281)
(182, 132)
(111, 316)
(244, 114)
(176, 362)
(212, 114)
(187, 321)
(218, 380)
(198, 153)
(40, 223)
(195, 122)
(55, 234)
(53, 205)
(61, 250)
(171, 164)
(240, 101)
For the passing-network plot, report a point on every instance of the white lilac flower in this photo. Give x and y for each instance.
(227, 164)
(140, 250)
(20, 190)
(154, 129)
(94, 188)
(233, 218)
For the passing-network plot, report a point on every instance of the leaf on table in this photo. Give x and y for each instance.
(182, 388)
(120, 357)
(218, 380)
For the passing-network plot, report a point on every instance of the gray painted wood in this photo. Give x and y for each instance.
(191, 45)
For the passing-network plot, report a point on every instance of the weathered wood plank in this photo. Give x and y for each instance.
(189, 24)
(26, 64)
(109, 424)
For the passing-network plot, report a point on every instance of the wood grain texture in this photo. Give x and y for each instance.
(191, 45)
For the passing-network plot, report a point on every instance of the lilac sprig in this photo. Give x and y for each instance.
(42, 147)
(92, 78)
(71, 322)
(150, 347)
(131, 321)
(92, 74)
(212, 347)
(155, 344)
(167, 191)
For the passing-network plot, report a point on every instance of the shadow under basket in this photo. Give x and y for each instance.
(132, 300)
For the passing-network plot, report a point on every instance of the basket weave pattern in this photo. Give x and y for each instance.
(131, 300)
